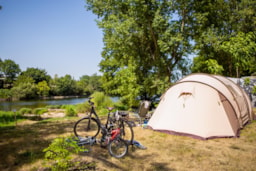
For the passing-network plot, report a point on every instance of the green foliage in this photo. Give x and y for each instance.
(121, 106)
(70, 110)
(64, 86)
(7, 117)
(101, 100)
(127, 88)
(89, 84)
(59, 152)
(247, 81)
(143, 42)
(225, 31)
(39, 111)
(53, 107)
(43, 88)
(210, 66)
(9, 70)
(38, 75)
(242, 49)
(25, 111)
(34, 83)
(25, 90)
(21, 79)
(83, 107)
(5, 93)
(254, 90)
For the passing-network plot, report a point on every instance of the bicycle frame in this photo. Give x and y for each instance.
(91, 124)
(93, 112)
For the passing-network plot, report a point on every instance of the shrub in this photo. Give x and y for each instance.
(59, 152)
(70, 110)
(25, 111)
(9, 116)
(254, 89)
(5, 93)
(247, 81)
(53, 106)
(120, 106)
(39, 111)
(83, 107)
(101, 100)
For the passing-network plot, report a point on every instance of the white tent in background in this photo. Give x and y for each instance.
(203, 106)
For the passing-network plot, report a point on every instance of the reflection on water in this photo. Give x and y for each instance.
(16, 105)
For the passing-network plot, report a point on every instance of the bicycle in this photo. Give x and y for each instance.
(90, 126)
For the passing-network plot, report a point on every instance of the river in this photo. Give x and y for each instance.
(16, 105)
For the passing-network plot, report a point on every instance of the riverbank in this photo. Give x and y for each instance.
(44, 98)
(40, 103)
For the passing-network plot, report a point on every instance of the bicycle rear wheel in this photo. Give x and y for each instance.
(127, 133)
(87, 127)
(118, 148)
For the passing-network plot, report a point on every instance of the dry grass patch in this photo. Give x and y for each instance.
(21, 149)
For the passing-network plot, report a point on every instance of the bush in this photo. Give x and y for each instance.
(83, 107)
(247, 81)
(25, 111)
(120, 106)
(59, 153)
(5, 93)
(254, 90)
(102, 101)
(39, 111)
(70, 110)
(9, 116)
(53, 106)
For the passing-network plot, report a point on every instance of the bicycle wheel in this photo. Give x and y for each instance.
(127, 133)
(118, 148)
(87, 127)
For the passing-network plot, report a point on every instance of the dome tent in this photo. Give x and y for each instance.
(203, 106)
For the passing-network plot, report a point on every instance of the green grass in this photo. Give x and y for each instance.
(8, 118)
(23, 146)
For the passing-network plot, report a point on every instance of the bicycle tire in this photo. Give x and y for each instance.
(86, 127)
(127, 133)
(118, 147)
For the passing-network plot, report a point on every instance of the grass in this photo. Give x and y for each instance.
(21, 149)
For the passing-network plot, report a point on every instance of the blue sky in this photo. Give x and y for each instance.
(60, 36)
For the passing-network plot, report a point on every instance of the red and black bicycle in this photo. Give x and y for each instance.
(117, 133)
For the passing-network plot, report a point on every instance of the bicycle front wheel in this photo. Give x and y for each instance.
(87, 127)
(118, 148)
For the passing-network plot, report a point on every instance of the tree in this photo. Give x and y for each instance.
(242, 48)
(9, 70)
(38, 75)
(64, 86)
(210, 66)
(144, 42)
(216, 24)
(90, 84)
(24, 88)
(43, 88)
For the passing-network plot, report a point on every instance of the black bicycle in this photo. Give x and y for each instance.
(90, 126)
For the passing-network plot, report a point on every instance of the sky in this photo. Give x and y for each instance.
(59, 36)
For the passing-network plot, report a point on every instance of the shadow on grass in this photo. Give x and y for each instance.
(24, 144)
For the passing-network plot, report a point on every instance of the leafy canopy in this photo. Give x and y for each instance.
(144, 46)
